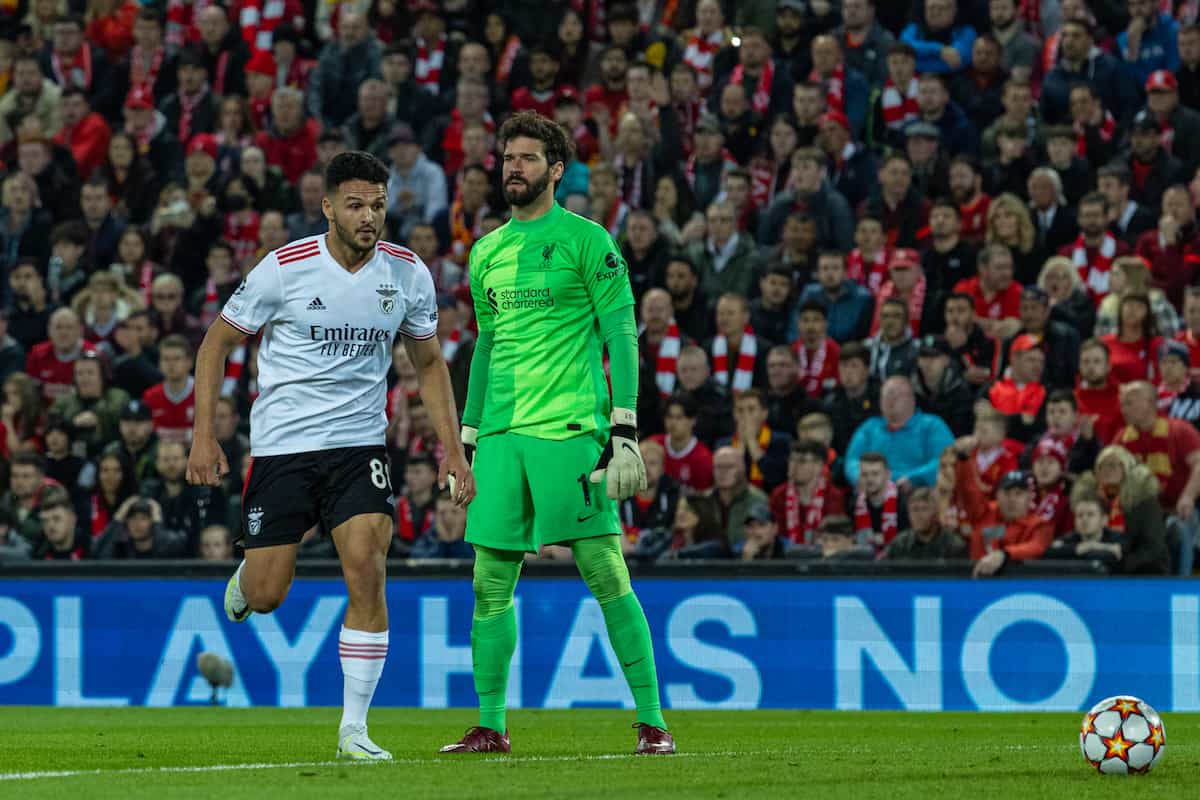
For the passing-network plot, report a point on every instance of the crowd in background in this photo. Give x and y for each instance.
(913, 281)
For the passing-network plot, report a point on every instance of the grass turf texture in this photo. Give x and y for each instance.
(575, 754)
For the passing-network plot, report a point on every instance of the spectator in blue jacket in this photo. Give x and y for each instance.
(843, 84)
(1151, 42)
(1079, 62)
(848, 305)
(913, 440)
(941, 46)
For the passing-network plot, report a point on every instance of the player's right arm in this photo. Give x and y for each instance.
(253, 305)
(481, 358)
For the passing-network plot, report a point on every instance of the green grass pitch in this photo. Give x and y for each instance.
(286, 753)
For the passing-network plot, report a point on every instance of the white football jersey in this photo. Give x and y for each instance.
(327, 342)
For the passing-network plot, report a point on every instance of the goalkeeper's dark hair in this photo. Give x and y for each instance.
(557, 145)
(354, 165)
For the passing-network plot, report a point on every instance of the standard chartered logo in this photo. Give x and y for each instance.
(519, 299)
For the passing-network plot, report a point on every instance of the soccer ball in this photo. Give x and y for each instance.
(1122, 736)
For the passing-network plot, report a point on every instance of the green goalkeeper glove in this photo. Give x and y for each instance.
(468, 439)
(620, 465)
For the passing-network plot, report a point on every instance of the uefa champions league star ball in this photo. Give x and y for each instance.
(1122, 736)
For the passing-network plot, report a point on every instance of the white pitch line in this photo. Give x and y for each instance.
(75, 773)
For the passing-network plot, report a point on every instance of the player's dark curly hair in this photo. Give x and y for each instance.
(354, 165)
(556, 143)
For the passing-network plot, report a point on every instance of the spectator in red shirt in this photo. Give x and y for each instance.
(1003, 529)
(1173, 248)
(84, 132)
(1133, 349)
(172, 403)
(540, 94)
(807, 497)
(997, 296)
(1096, 393)
(687, 459)
(1190, 335)
(290, 143)
(604, 101)
(1022, 393)
(51, 363)
(966, 189)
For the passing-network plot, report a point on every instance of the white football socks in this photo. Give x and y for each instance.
(362, 655)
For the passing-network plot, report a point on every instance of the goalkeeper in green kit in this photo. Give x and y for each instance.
(552, 456)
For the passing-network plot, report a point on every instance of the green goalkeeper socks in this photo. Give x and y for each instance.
(494, 630)
(602, 566)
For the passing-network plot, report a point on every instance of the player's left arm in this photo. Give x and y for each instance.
(437, 395)
(606, 276)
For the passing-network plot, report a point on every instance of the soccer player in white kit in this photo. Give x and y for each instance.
(328, 307)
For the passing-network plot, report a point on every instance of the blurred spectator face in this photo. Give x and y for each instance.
(826, 55)
(58, 526)
(1189, 47)
(1061, 151)
(1017, 101)
(782, 371)
(678, 424)
(286, 112)
(799, 235)
(570, 28)
(451, 522)
(681, 281)
(640, 231)
(74, 109)
(225, 421)
(215, 544)
(213, 25)
(1076, 43)
(1110, 473)
(922, 150)
(1042, 193)
(1092, 219)
(404, 154)
(1089, 518)
(1013, 503)
(165, 297)
(396, 68)
(175, 364)
(990, 432)
(728, 470)
(1191, 311)
(171, 461)
(1059, 284)
(447, 321)
(944, 222)
(284, 52)
(1093, 366)
(27, 78)
(733, 102)
(120, 152)
(569, 116)
(774, 289)
(932, 96)
(1060, 418)
(471, 100)
(473, 61)
(622, 31)
(474, 189)
(939, 14)
(868, 235)
(852, 374)
(707, 145)
(140, 527)
(856, 14)
(985, 56)
(892, 322)
(656, 311)
(1163, 102)
(755, 51)
(932, 368)
(637, 83)
(631, 138)
(873, 476)
(57, 445)
(655, 458)
(419, 477)
(312, 189)
(806, 175)
(812, 327)
(191, 78)
(831, 272)
(686, 519)
(147, 34)
(1028, 366)
(789, 21)
(1008, 226)
(352, 29)
(1138, 405)
(33, 157)
(1177, 205)
(904, 279)
(68, 37)
(423, 241)
(65, 331)
(998, 273)
(18, 197)
(762, 533)
(709, 17)
(95, 202)
(272, 231)
(1034, 314)
(543, 69)
(146, 333)
(901, 68)
(613, 65)
(807, 104)
(683, 85)
(1141, 9)
(896, 401)
(24, 481)
(1002, 12)
(732, 316)
(722, 223)
(88, 379)
(896, 177)
(1174, 370)
(692, 370)
(1083, 105)
(803, 469)
(921, 514)
(783, 141)
(833, 137)
(254, 165)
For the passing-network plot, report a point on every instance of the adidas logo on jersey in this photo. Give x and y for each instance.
(316, 305)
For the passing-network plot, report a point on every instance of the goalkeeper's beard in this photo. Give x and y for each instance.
(525, 194)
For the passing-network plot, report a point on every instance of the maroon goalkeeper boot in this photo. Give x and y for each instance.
(653, 741)
(482, 740)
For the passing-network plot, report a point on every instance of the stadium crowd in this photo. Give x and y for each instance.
(913, 282)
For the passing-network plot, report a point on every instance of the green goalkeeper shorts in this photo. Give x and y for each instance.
(533, 491)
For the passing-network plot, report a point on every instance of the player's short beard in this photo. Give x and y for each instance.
(520, 197)
(348, 239)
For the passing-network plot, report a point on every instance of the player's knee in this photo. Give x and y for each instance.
(266, 596)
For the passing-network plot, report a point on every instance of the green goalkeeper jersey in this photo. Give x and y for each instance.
(540, 287)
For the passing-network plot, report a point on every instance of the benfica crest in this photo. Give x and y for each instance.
(387, 298)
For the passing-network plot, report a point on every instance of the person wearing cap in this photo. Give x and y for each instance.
(1178, 393)
(1051, 488)
(137, 531)
(791, 39)
(762, 542)
(1021, 393)
(163, 151)
(1003, 529)
(906, 283)
(138, 442)
(1081, 62)
(931, 172)
(1129, 492)
(941, 46)
(1150, 43)
(1172, 249)
(1059, 341)
(941, 390)
(192, 109)
(851, 166)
